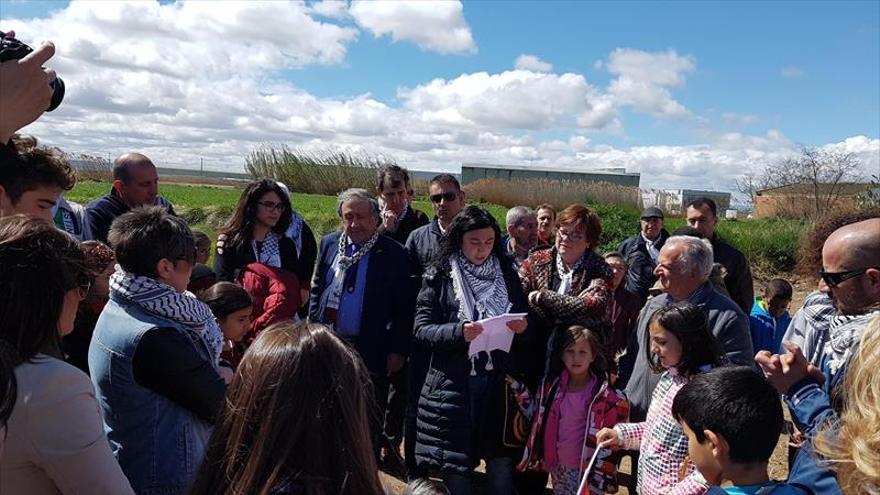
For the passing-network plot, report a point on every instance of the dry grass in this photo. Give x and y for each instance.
(90, 167)
(558, 193)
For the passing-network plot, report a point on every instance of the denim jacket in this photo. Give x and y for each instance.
(158, 443)
(812, 406)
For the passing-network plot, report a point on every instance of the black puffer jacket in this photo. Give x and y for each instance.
(640, 276)
(447, 438)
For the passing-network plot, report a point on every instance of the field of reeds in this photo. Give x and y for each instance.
(770, 244)
(559, 193)
(318, 172)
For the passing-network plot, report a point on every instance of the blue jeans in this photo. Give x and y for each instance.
(499, 479)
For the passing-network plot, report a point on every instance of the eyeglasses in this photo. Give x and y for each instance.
(269, 205)
(571, 235)
(833, 279)
(448, 196)
(83, 287)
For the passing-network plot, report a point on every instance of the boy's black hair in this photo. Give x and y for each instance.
(146, 235)
(734, 402)
(778, 287)
(701, 202)
(25, 166)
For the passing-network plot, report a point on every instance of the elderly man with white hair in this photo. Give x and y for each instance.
(361, 289)
(683, 267)
(522, 234)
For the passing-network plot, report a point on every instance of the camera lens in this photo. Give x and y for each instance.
(57, 93)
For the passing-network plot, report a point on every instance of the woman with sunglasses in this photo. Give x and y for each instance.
(54, 440)
(252, 249)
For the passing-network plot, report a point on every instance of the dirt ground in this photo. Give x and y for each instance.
(778, 468)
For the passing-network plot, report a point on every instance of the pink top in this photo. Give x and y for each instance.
(573, 425)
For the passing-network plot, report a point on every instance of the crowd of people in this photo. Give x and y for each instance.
(303, 366)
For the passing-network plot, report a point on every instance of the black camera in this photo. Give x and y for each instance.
(12, 49)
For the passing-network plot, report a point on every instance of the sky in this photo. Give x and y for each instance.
(689, 94)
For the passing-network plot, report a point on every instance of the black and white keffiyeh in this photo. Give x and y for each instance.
(161, 300)
(844, 333)
(565, 274)
(332, 295)
(267, 252)
(480, 290)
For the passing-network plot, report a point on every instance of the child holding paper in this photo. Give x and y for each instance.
(571, 409)
(462, 407)
(681, 347)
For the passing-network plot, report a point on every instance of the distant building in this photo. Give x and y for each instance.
(472, 172)
(674, 201)
(798, 200)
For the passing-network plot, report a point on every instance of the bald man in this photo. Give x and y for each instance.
(135, 183)
(851, 272)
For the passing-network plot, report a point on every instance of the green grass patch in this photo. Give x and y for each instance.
(769, 244)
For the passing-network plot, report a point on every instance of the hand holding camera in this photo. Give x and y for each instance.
(27, 89)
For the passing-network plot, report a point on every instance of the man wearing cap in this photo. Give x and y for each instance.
(642, 250)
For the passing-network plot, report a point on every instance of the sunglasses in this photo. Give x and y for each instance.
(833, 279)
(448, 196)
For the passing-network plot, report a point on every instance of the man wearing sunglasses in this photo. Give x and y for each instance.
(851, 276)
(447, 199)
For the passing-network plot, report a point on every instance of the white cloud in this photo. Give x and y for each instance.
(867, 151)
(334, 9)
(644, 80)
(181, 82)
(532, 63)
(438, 26)
(516, 99)
(791, 71)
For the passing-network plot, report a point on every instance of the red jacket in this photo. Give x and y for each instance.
(605, 409)
(275, 292)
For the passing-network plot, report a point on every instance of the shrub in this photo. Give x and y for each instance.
(313, 172)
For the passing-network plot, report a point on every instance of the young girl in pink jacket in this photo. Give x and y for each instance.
(571, 407)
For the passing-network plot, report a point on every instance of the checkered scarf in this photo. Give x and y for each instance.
(267, 252)
(480, 290)
(161, 300)
(845, 332)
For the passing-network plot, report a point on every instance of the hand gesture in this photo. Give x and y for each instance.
(607, 438)
(517, 326)
(471, 331)
(389, 220)
(784, 371)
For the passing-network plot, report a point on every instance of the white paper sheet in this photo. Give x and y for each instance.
(495, 334)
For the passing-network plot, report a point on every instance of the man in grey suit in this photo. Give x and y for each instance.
(683, 267)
